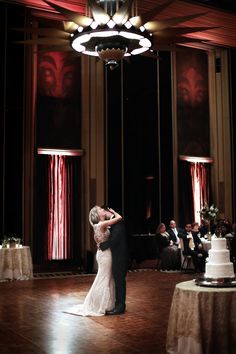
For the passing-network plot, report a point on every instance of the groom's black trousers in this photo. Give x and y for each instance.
(118, 244)
(120, 286)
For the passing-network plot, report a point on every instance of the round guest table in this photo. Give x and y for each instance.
(16, 263)
(202, 320)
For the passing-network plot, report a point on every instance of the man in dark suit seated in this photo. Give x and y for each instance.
(174, 232)
(193, 247)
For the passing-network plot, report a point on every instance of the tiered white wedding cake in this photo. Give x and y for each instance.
(219, 265)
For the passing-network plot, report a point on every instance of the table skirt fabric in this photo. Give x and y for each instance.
(202, 320)
(16, 264)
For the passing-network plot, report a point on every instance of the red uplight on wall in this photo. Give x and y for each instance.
(59, 209)
(200, 182)
(60, 201)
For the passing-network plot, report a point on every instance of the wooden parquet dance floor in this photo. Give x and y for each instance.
(32, 320)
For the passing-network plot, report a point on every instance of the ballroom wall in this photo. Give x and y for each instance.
(139, 148)
(128, 134)
(11, 120)
(232, 78)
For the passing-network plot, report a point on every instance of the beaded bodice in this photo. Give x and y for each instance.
(99, 234)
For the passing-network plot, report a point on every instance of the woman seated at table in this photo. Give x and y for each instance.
(168, 252)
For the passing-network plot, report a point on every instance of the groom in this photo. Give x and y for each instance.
(118, 244)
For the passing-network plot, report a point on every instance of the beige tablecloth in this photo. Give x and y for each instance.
(16, 263)
(202, 320)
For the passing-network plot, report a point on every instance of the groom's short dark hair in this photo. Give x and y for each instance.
(105, 207)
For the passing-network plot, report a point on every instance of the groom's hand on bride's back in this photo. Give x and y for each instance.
(101, 246)
(104, 245)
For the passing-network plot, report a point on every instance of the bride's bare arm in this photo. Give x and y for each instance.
(117, 217)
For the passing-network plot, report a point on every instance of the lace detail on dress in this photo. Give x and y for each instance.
(99, 235)
(101, 296)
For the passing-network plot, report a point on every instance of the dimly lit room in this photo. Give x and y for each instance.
(118, 209)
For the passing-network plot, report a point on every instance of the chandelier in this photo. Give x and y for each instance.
(111, 35)
(113, 30)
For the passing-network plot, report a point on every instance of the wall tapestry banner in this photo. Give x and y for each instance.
(192, 103)
(58, 100)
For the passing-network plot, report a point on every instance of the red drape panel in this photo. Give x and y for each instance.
(199, 188)
(59, 220)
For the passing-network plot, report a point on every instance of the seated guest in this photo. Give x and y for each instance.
(233, 246)
(234, 229)
(168, 252)
(195, 228)
(226, 229)
(174, 232)
(193, 247)
(204, 228)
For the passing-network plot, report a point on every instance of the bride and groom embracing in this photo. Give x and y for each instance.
(108, 291)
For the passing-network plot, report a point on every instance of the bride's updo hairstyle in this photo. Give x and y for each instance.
(93, 216)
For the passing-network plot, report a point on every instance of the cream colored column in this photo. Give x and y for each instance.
(220, 131)
(29, 138)
(93, 143)
(175, 138)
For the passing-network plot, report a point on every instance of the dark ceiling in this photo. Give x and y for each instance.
(229, 5)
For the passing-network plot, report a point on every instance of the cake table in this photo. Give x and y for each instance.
(202, 320)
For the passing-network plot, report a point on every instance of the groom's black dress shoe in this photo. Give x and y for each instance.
(115, 312)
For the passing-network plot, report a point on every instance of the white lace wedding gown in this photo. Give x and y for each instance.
(101, 296)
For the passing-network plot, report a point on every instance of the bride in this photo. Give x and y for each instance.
(101, 296)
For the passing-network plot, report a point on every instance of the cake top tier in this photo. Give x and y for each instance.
(218, 243)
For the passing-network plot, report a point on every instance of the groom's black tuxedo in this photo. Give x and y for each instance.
(118, 244)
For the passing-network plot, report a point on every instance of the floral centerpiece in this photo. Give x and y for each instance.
(12, 240)
(209, 214)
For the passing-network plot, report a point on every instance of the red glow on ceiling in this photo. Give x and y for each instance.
(78, 6)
